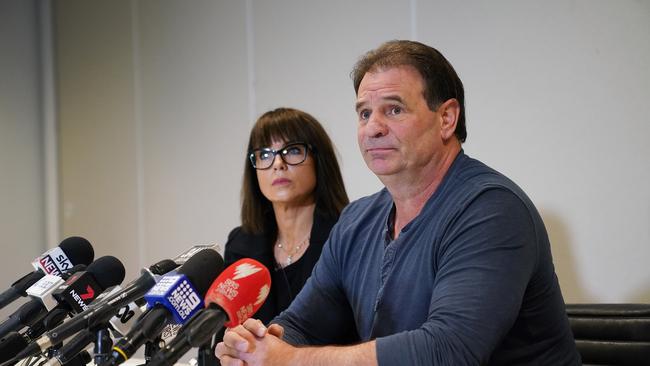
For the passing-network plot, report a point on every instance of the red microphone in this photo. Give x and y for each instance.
(240, 290)
(233, 297)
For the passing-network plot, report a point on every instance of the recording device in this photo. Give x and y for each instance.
(175, 298)
(238, 292)
(71, 251)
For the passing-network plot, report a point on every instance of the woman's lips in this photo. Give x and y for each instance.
(281, 181)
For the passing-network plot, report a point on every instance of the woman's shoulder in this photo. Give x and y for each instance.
(322, 225)
(242, 244)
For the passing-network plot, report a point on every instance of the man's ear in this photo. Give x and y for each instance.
(449, 113)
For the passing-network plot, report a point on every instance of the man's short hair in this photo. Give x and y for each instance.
(441, 82)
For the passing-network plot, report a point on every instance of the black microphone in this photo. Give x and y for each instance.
(162, 267)
(27, 315)
(83, 287)
(119, 324)
(11, 344)
(33, 311)
(71, 349)
(74, 295)
(100, 311)
(189, 253)
(176, 297)
(71, 251)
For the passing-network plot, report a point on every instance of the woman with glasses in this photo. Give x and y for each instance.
(292, 195)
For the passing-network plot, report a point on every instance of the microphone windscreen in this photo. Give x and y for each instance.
(240, 290)
(202, 268)
(78, 250)
(108, 271)
(162, 267)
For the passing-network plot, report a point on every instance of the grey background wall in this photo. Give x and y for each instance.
(155, 99)
(22, 148)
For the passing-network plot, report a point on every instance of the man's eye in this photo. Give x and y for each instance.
(396, 110)
(365, 114)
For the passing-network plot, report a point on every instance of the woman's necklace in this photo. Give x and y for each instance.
(292, 252)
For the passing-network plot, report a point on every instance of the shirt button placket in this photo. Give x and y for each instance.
(386, 267)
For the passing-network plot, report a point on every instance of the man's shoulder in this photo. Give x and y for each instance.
(472, 178)
(368, 204)
(472, 174)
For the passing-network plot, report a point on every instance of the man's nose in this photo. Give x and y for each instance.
(376, 126)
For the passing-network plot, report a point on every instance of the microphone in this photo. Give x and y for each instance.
(71, 251)
(74, 294)
(10, 344)
(101, 311)
(83, 287)
(176, 297)
(42, 301)
(238, 292)
(71, 349)
(126, 315)
(162, 267)
(120, 324)
(183, 257)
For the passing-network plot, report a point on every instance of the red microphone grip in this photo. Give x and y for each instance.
(240, 290)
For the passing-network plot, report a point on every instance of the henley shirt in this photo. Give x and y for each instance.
(468, 281)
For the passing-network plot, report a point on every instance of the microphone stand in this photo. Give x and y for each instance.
(151, 348)
(103, 345)
(206, 355)
(82, 359)
(73, 353)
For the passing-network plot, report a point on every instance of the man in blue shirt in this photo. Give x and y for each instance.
(449, 264)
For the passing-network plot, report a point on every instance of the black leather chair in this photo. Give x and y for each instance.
(611, 334)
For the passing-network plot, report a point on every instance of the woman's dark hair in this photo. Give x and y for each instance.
(441, 82)
(291, 125)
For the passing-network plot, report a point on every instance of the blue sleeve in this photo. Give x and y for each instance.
(487, 256)
(320, 314)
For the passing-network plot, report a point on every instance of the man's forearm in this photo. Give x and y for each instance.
(360, 354)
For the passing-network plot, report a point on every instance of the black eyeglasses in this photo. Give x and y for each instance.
(293, 153)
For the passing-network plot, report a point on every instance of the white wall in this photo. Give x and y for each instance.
(22, 205)
(557, 99)
(156, 100)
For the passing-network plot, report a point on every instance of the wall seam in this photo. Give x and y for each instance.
(250, 50)
(139, 142)
(49, 120)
